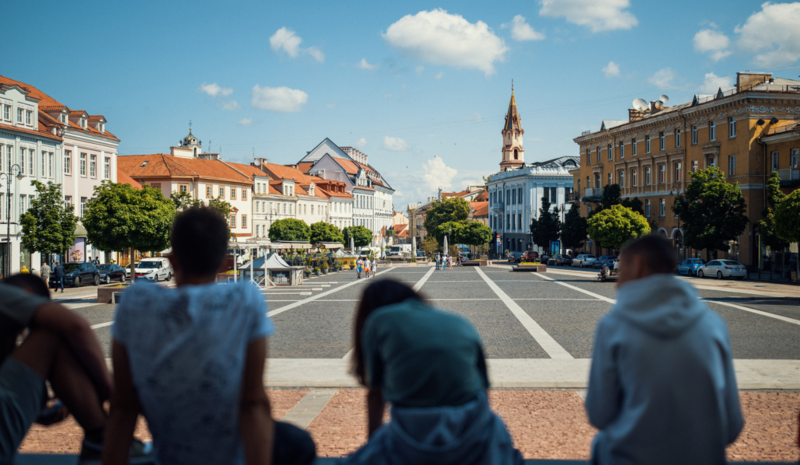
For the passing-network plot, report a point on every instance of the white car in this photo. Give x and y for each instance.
(128, 270)
(153, 269)
(722, 269)
(583, 260)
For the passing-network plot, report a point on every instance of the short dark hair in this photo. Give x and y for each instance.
(378, 294)
(199, 240)
(31, 283)
(659, 254)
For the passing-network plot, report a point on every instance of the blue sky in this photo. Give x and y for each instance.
(420, 87)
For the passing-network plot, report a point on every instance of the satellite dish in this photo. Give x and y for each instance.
(664, 98)
(640, 104)
(659, 105)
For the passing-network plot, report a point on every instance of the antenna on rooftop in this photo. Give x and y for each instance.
(640, 104)
(664, 98)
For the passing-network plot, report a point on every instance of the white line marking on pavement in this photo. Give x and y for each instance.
(757, 312)
(76, 306)
(421, 282)
(553, 348)
(102, 325)
(348, 354)
(596, 296)
(319, 296)
(302, 414)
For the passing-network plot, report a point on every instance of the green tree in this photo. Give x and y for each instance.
(712, 211)
(634, 204)
(546, 228)
(361, 236)
(616, 225)
(289, 229)
(787, 220)
(453, 209)
(766, 226)
(183, 200)
(612, 195)
(430, 245)
(573, 232)
(48, 227)
(451, 229)
(475, 233)
(121, 217)
(325, 232)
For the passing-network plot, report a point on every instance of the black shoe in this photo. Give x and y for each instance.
(92, 453)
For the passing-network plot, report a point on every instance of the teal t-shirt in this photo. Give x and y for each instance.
(423, 357)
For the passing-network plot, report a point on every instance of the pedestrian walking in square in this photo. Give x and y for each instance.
(662, 387)
(374, 266)
(359, 267)
(59, 273)
(366, 268)
(45, 273)
(437, 260)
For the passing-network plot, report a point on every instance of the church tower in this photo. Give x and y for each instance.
(513, 152)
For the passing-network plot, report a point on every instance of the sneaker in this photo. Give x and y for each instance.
(92, 453)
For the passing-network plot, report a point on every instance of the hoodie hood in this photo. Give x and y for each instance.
(660, 304)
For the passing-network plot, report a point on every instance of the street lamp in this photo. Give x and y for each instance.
(19, 177)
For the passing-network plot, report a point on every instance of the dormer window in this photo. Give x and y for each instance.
(63, 119)
(102, 127)
(83, 123)
(143, 165)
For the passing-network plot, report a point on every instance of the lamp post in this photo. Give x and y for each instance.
(8, 176)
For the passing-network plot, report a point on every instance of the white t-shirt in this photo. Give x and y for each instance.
(186, 348)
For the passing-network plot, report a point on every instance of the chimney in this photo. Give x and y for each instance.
(747, 80)
(634, 115)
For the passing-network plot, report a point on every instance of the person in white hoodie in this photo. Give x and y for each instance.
(662, 388)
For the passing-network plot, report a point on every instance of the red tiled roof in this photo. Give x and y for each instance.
(123, 178)
(248, 170)
(403, 233)
(483, 196)
(42, 132)
(162, 165)
(304, 167)
(479, 208)
(302, 180)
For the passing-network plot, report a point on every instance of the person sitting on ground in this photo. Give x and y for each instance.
(429, 365)
(662, 388)
(191, 359)
(61, 348)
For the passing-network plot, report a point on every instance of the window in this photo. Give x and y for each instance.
(50, 158)
(155, 185)
(646, 144)
(83, 164)
(677, 172)
(712, 131)
(610, 152)
(233, 193)
(31, 161)
(732, 127)
(677, 138)
(694, 166)
(233, 220)
(21, 160)
(19, 115)
(513, 197)
(633, 178)
(598, 154)
(83, 205)
(258, 231)
(244, 194)
(694, 135)
(21, 205)
(312, 209)
(662, 208)
(28, 115)
(2, 154)
(621, 179)
(270, 207)
(662, 171)
(711, 161)
(732, 165)
(7, 112)
(588, 157)
(647, 208)
(183, 188)
(68, 200)
(621, 149)
(222, 192)
(209, 192)
(774, 160)
(107, 168)
(244, 221)
(633, 147)
(93, 166)
(609, 181)
(662, 141)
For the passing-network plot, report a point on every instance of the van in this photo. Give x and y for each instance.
(153, 269)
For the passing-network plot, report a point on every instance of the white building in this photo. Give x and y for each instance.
(516, 191)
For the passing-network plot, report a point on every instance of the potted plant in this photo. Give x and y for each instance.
(306, 273)
(325, 268)
(352, 266)
(316, 271)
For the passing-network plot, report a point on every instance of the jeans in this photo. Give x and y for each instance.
(61, 282)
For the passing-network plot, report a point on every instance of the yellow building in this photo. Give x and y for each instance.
(748, 131)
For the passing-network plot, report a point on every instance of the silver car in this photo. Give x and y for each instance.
(584, 259)
(722, 269)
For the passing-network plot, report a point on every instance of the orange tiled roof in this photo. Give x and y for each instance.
(479, 208)
(302, 180)
(42, 132)
(123, 178)
(304, 167)
(248, 170)
(161, 165)
(403, 233)
(400, 227)
(45, 101)
(483, 196)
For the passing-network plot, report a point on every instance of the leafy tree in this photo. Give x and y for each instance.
(325, 232)
(766, 226)
(223, 207)
(612, 195)
(183, 200)
(289, 229)
(573, 231)
(634, 204)
(712, 211)
(475, 233)
(430, 245)
(48, 226)
(452, 209)
(361, 236)
(451, 229)
(787, 220)
(547, 227)
(121, 217)
(617, 225)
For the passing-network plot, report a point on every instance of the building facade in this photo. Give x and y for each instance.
(747, 131)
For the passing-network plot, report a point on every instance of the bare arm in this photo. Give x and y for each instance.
(255, 414)
(375, 409)
(80, 338)
(125, 409)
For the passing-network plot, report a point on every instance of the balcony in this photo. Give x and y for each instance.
(571, 197)
(790, 177)
(497, 206)
(596, 192)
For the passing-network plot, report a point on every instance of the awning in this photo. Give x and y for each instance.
(80, 231)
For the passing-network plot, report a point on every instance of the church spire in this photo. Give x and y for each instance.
(513, 151)
(513, 121)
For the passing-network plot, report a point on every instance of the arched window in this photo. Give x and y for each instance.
(195, 151)
(516, 155)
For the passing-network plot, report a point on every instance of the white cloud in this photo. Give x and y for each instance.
(475, 117)
(437, 174)
(597, 15)
(245, 122)
(440, 38)
(713, 42)
(419, 69)
(663, 79)
(232, 105)
(773, 34)
(330, 105)
(214, 90)
(387, 95)
(522, 31)
(439, 75)
(281, 99)
(395, 144)
(363, 64)
(287, 40)
(361, 143)
(611, 69)
(712, 83)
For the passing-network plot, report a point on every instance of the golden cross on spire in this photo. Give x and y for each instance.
(190, 122)
(512, 85)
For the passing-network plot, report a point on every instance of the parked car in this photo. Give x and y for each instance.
(689, 266)
(128, 269)
(722, 269)
(584, 260)
(78, 273)
(529, 257)
(608, 263)
(153, 269)
(111, 272)
(560, 260)
(544, 257)
(600, 262)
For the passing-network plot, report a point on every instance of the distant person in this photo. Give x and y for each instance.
(359, 267)
(45, 274)
(662, 388)
(191, 359)
(60, 348)
(59, 274)
(429, 365)
(374, 266)
(437, 260)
